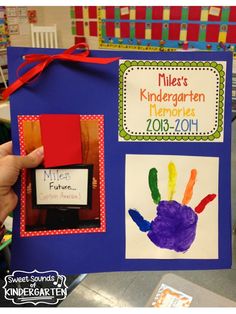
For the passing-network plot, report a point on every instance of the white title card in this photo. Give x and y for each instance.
(171, 101)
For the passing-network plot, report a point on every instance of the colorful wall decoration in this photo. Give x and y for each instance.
(167, 27)
(4, 36)
(157, 27)
(84, 22)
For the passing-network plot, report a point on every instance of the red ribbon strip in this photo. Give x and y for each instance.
(44, 60)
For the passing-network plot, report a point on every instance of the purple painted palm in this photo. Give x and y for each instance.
(174, 226)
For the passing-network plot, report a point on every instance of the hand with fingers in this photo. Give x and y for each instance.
(175, 224)
(10, 167)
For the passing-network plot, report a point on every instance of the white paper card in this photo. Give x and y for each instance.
(138, 196)
(170, 297)
(61, 186)
(214, 11)
(174, 101)
(124, 11)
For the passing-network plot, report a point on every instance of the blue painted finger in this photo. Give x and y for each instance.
(143, 224)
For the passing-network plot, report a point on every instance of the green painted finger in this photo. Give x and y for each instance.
(153, 185)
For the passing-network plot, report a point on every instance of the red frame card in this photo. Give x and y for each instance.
(231, 34)
(79, 12)
(32, 216)
(140, 13)
(232, 14)
(110, 12)
(174, 31)
(125, 29)
(194, 13)
(140, 30)
(175, 12)
(93, 28)
(193, 32)
(157, 13)
(80, 28)
(110, 29)
(212, 32)
(156, 31)
(79, 39)
(92, 10)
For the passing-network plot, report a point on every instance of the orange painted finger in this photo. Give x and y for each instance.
(189, 188)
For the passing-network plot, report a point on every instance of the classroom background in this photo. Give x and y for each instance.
(144, 28)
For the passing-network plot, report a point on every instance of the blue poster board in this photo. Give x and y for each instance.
(140, 153)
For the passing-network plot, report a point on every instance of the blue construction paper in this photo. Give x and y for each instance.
(81, 88)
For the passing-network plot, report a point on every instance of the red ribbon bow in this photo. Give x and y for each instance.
(44, 60)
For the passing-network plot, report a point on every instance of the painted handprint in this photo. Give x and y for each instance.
(175, 224)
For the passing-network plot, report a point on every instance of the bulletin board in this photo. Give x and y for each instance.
(18, 19)
(4, 36)
(167, 27)
(84, 22)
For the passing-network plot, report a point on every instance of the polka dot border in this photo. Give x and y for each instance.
(102, 228)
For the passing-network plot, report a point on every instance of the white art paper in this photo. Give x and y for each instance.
(138, 196)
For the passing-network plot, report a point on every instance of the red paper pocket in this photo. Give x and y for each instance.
(61, 138)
